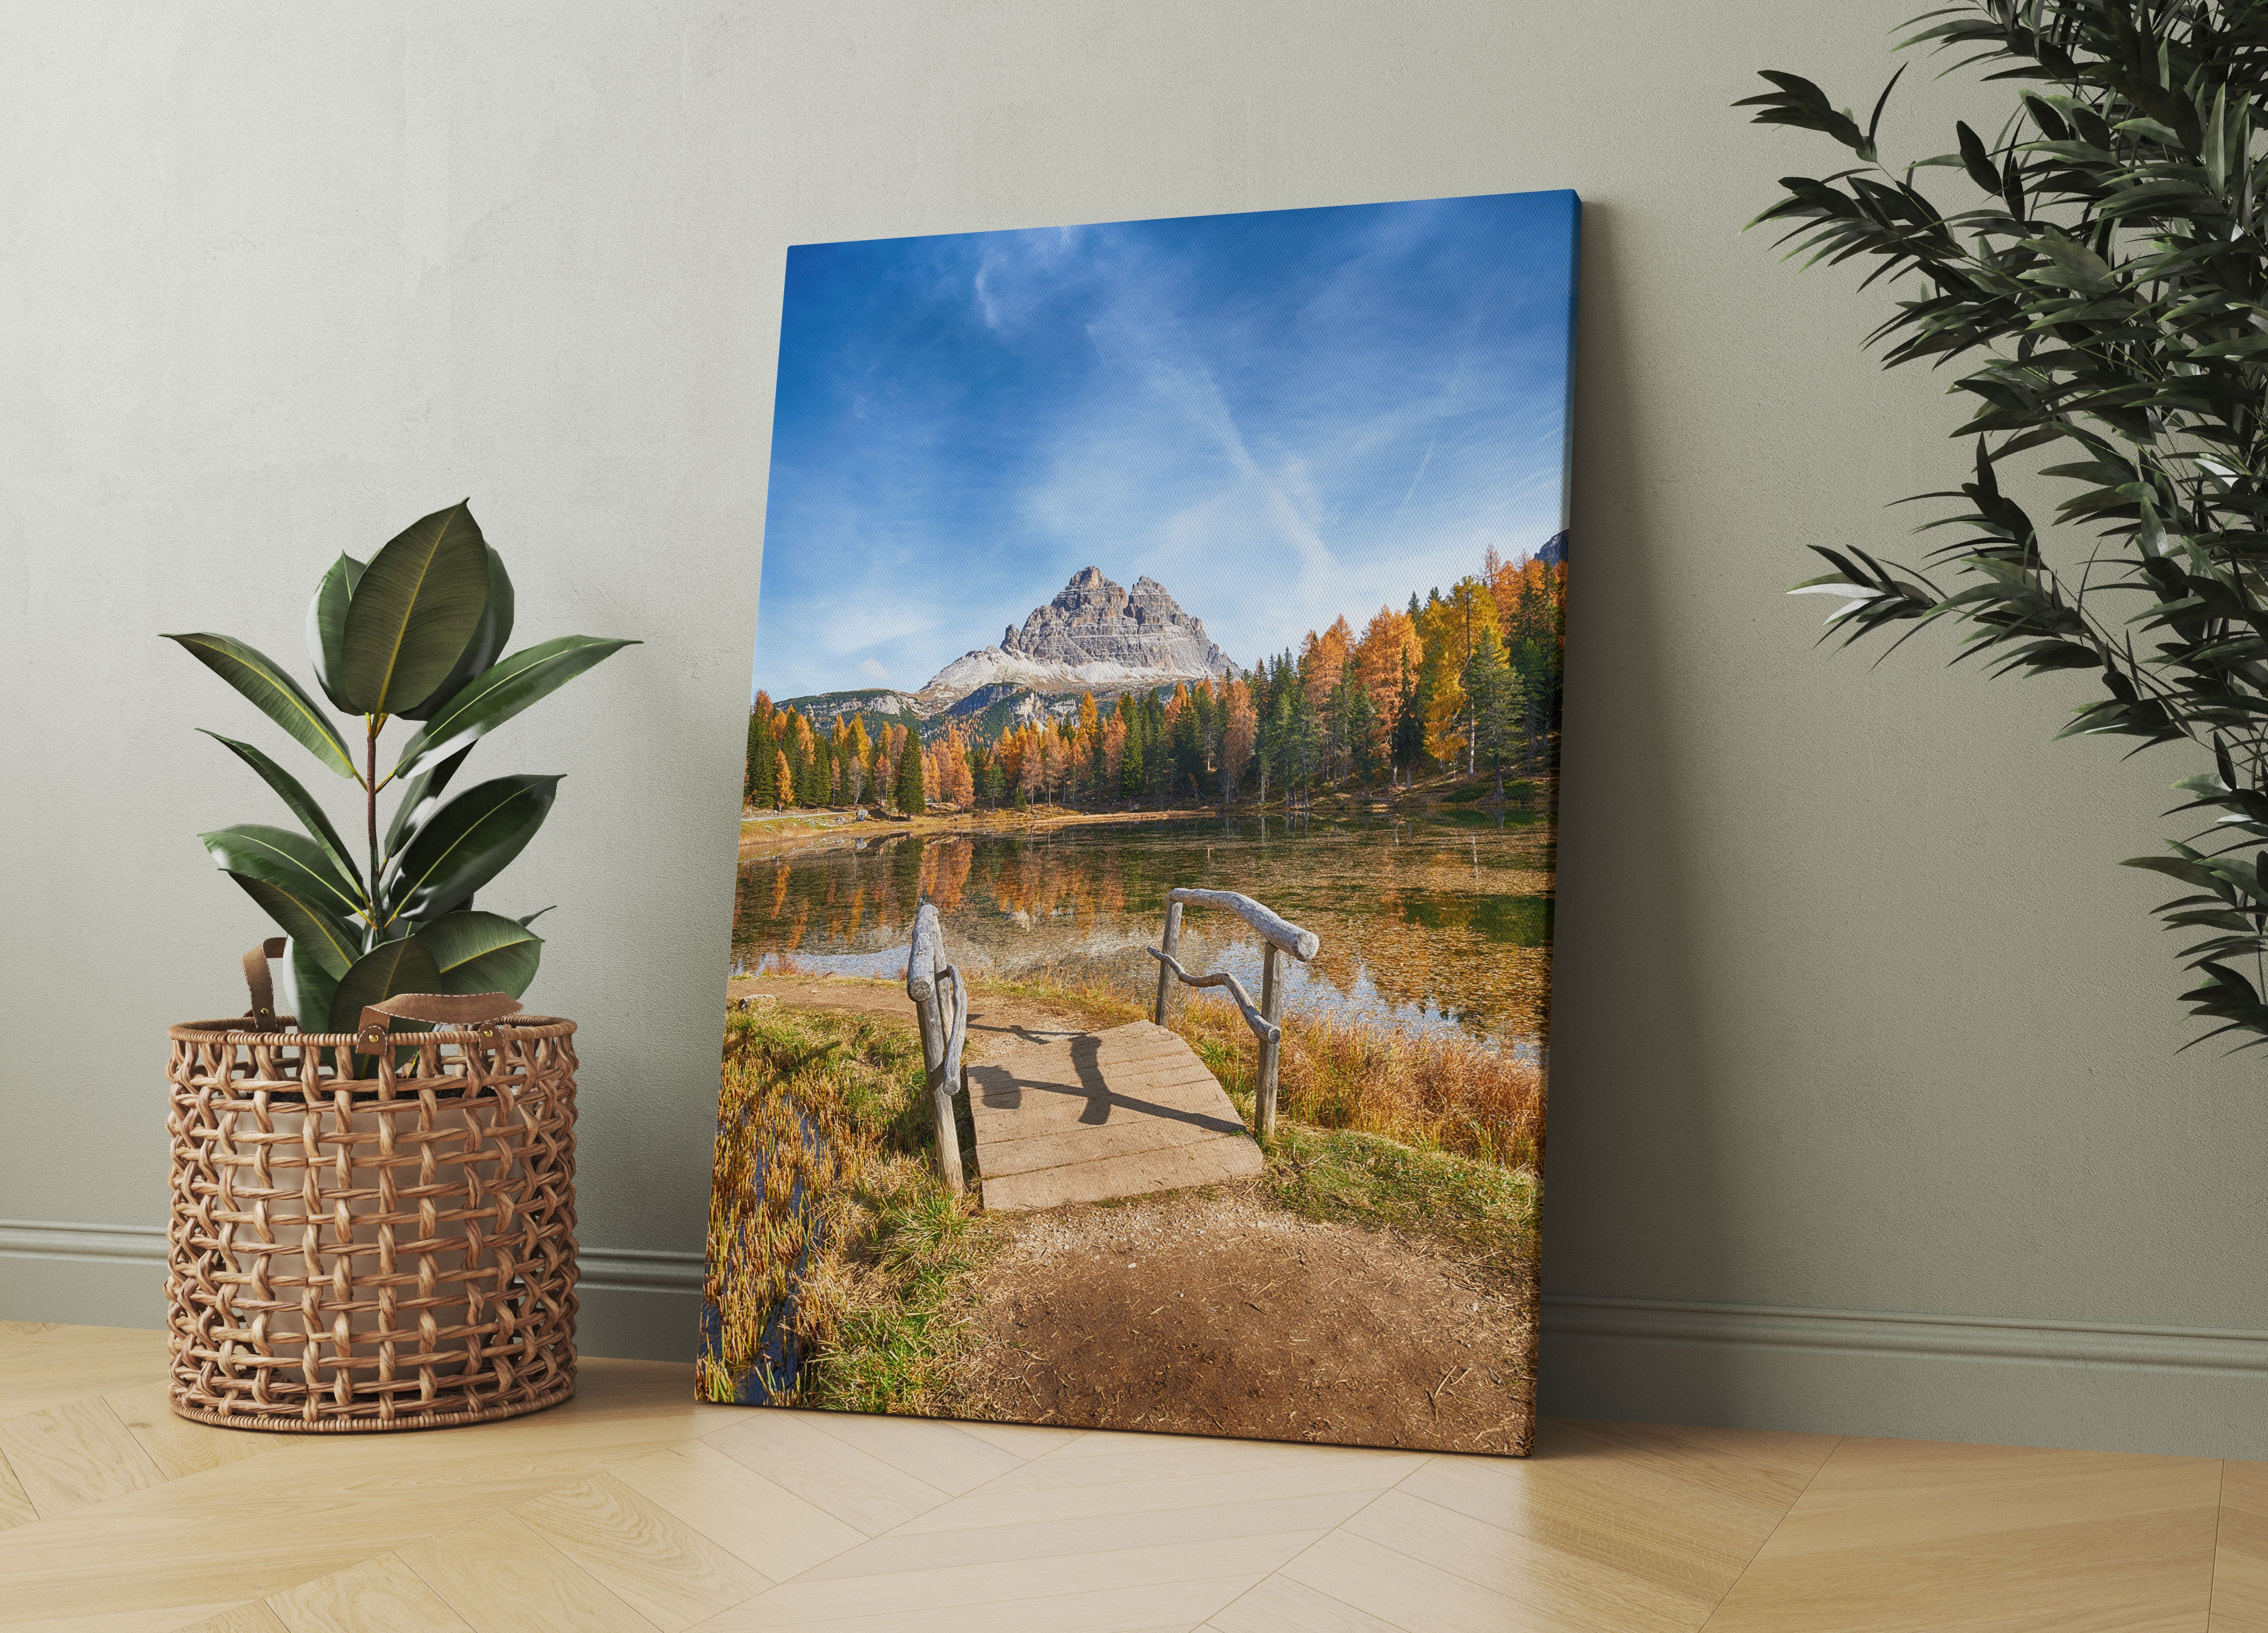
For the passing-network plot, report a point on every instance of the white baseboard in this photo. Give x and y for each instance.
(2193, 1391)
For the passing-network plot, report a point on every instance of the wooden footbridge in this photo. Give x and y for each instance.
(1084, 1116)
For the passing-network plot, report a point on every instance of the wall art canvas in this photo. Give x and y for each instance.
(1139, 997)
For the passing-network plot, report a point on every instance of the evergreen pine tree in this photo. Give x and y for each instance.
(910, 796)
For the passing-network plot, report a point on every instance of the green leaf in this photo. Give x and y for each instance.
(289, 861)
(414, 613)
(483, 953)
(488, 640)
(526, 677)
(420, 800)
(468, 842)
(329, 941)
(303, 805)
(262, 679)
(327, 622)
(312, 988)
(386, 971)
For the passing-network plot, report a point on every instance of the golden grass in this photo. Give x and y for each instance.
(824, 1208)
(1428, 1090)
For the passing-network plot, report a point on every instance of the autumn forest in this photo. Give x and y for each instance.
(1463, 682)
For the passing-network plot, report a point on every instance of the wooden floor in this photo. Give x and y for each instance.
(632, 1508)
(1081, 1117)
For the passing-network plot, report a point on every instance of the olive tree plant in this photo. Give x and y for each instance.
(418, 634)
(2099, 295)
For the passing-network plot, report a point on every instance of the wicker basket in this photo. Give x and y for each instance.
(390, 1251)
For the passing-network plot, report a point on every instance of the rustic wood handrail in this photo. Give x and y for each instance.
(1271, 926)
(1266, 1017)
(941, 1038)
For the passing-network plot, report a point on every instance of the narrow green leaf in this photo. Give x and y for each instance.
(289, 861)
(327, 622)
(303, 805)
(483, 953)
(277, 696)
(526, 677)
(488, 640)
(413, 612)
(468, 842)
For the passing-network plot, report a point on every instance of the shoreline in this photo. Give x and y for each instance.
(828, 828)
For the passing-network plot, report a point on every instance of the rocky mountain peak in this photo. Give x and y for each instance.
(1094, 634)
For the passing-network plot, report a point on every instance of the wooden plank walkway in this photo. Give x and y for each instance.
(1097, 1115)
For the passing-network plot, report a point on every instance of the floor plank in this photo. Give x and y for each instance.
(1044, 1539)
(663, 1569)
(252, 1618)
(2240, 1562)
(738, 1509)
(1896, 1535)
(58, 1364)
(1279, 1604)
(938, 1453)
(381, 1595)
(321, 1503)
(177, 1446)
(501, 1577)
(15, 1505)
(1157, 1582)
(793, 1451)
(73, 1456)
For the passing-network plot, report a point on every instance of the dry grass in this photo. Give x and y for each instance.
(828, 1229)
(1428, 1090)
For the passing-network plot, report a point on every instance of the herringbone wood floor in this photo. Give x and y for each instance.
(632, 1508)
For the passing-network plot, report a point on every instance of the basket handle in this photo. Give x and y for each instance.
(476, 1011)
(262, 1016)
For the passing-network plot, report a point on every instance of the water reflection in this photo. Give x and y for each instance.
(1441, 922)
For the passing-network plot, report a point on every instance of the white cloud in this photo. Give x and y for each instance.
(873, 671)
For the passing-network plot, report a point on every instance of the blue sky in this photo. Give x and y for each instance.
(1280, 416)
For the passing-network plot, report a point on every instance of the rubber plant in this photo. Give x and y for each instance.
(2100, 297)
(415, 634)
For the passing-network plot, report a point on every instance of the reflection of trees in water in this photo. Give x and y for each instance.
(1450, 919)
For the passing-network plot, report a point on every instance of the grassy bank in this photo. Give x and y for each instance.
(848, 1215)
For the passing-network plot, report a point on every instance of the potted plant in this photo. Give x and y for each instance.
(367, 1234)
(417, 634)
(2099, 295)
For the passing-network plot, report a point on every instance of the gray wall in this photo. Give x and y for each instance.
(1868, 1115)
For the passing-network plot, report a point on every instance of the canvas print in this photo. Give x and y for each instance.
(1139, 1004)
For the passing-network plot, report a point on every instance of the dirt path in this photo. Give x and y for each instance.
(1213, 1313)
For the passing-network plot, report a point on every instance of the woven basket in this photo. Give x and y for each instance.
(394, 1250)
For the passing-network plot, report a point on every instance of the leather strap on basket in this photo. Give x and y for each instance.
(262, 1016)
(472, 1011)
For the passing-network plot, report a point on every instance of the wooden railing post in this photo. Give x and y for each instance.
(1171, 944)
(1284, 939)
(1271, 1011)
(934, 1026)
(924, 966)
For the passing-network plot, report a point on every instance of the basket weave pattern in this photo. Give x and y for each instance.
(391, 1252)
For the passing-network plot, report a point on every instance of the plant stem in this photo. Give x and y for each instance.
(370, 805)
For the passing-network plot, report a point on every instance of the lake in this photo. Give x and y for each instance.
(1428, 922)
